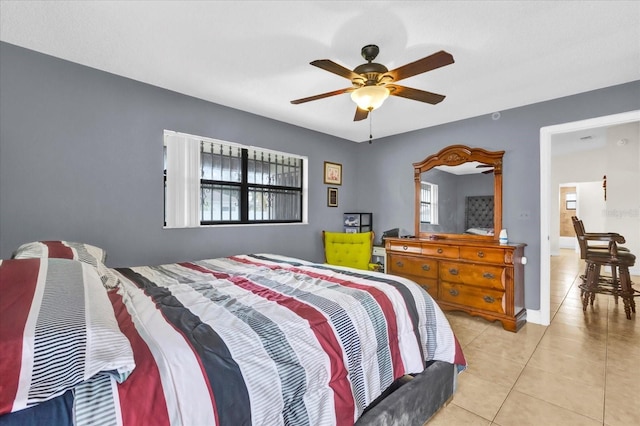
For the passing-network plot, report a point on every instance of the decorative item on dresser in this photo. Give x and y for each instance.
(465, 269)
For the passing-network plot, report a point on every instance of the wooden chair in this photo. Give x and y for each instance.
(595, 257)
(608, 237)
(596, 248)
(349, 249)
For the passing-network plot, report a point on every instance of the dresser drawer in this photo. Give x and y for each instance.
(410, 265)
(378, 251)
(405, 246)
(484, 254)
(490, 276)
(429, 284)
(435, 250)
(473, 297)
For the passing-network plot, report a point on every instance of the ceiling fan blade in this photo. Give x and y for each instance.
(437, 60)
(322, 96)
(481, 166)
(415, 94)
(486, 172)
(338, 69)
(361, 114)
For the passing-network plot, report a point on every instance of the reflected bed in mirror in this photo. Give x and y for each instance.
(459, 193)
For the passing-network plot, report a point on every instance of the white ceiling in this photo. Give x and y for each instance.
(254, 55)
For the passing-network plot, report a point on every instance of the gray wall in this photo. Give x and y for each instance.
(81, 159)
(387, 164)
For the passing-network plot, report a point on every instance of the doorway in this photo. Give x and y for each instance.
(568, 208)
(542, 316)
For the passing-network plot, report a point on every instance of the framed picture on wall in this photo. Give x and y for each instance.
(332, 173)
(332, 197)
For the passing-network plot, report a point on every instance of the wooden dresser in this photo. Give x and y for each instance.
(481, 278)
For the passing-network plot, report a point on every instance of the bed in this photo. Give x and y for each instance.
(257, 339)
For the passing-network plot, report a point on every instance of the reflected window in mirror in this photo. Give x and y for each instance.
(429, 203)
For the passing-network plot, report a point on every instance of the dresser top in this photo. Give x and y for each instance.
(455, 242)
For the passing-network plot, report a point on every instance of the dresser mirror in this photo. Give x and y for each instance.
(458, 194)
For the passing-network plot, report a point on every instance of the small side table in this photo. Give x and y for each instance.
(379, 255)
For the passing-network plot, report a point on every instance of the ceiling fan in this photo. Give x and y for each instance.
(485, 172)
(372, 83)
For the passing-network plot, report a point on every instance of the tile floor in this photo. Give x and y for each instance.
(580, 370)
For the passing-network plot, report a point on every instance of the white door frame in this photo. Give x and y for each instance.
(543, 315)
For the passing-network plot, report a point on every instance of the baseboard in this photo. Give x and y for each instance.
(567, 242)
(535, 317)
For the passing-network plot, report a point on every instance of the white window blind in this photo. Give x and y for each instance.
(183, 181)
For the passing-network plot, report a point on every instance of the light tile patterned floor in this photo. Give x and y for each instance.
(582, 370)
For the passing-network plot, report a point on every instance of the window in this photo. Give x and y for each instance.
(571, 201)
(212, 182)
(428, 203)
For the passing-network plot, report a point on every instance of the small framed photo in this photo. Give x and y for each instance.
(332, 197)
(332, 173)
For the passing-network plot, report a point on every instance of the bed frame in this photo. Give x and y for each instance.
(413, 400)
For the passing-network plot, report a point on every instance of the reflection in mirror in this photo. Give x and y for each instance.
(457, 200)
(459, 193)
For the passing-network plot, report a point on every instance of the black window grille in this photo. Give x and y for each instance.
(248, 185)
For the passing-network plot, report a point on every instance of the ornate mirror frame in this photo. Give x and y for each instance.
(455, 155)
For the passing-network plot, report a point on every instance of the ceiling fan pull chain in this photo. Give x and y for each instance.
(370, 133)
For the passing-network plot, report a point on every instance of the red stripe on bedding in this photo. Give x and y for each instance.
(18, 282)
(343, 397)
(144, 383)
(387, 309)
(380, 297)
(459, 356)
(58, 250)
(219, 275)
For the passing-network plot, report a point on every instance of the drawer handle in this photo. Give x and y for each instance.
(454, 292)
(489, 299)
(453, 271)
(426, 267)
(480, 253)
(405, 247)
(399, 264)
(488, 275)
(440, 251)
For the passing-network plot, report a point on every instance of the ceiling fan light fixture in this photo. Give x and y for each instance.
(370, 97)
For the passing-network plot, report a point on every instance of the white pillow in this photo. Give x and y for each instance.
(94, 256)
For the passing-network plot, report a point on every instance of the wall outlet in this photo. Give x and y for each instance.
(524, 215)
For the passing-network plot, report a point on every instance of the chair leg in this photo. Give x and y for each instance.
(590, 285)
(615, 283)
(626, 291)
(595, 282)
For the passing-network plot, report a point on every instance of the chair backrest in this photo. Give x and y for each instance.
(347, 249)
(578, 226)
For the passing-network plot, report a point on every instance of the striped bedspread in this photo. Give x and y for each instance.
(269, 340)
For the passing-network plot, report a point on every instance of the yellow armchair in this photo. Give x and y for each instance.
(352, 250)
